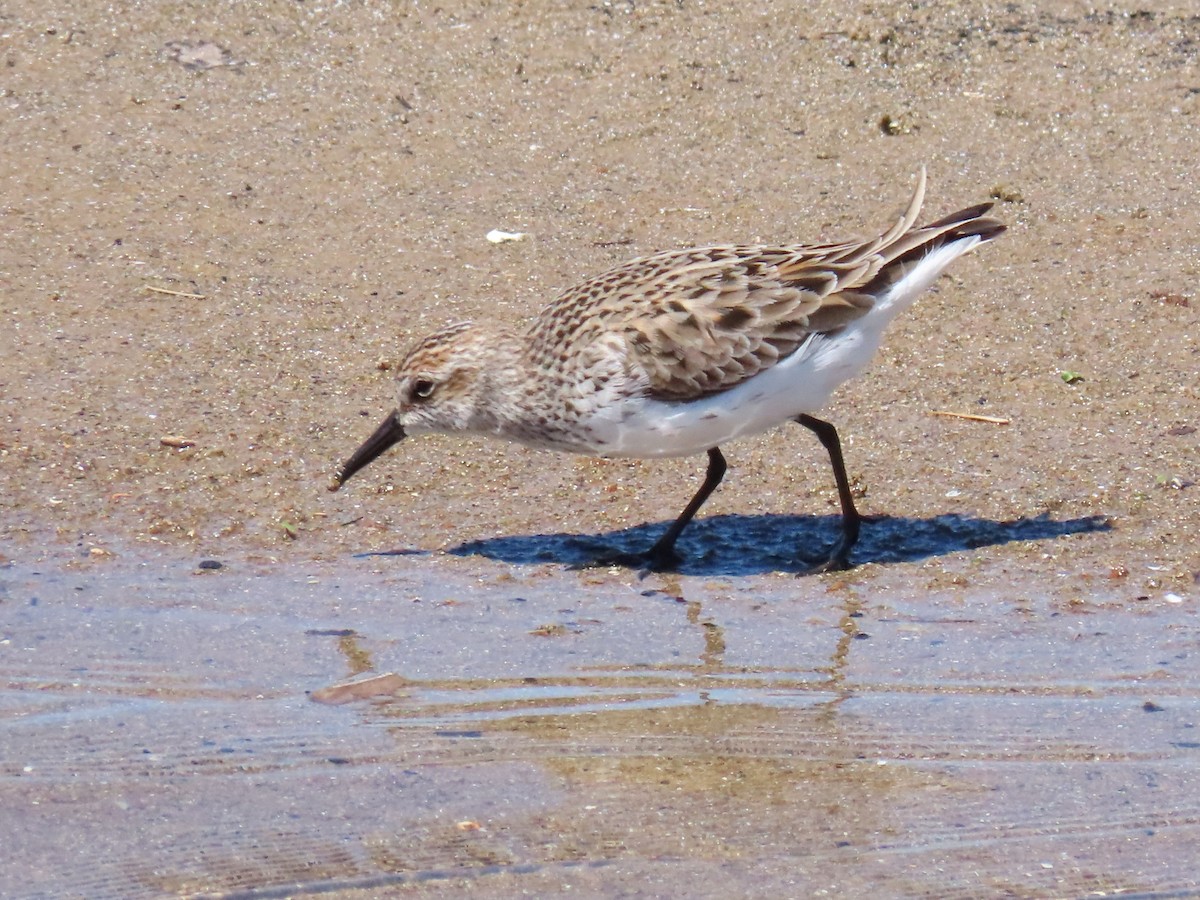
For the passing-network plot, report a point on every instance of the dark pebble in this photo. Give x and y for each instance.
(209, 564)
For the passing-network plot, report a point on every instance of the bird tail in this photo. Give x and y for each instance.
(914, 257)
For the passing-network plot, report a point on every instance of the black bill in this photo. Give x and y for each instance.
(387, 435)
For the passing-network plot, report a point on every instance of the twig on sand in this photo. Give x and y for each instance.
(972, 417)
(160, 290)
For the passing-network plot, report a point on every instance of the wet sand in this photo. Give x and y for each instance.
(222, 227)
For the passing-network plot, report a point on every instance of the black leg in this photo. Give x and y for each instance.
(662, 555)
(851, 520)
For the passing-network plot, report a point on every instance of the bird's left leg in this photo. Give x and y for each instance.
(851, 520)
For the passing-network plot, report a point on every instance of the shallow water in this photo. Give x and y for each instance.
(548, 730)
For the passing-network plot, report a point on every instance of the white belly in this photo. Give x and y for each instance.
(801, 383)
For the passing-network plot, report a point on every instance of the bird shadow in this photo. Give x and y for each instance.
(754, 544)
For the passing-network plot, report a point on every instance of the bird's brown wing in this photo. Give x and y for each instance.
(701, 321)
(724, 314)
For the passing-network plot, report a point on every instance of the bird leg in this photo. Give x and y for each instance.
(851, 520)
(662, 555)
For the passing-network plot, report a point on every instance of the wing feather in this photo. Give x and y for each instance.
(697, 322)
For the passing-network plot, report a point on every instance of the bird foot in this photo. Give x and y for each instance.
(839, 562)
(838, 559)
(655, 559)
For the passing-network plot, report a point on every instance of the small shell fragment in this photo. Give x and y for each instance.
(174, 440)
(197, 56)
(496, 236)
(387, 685)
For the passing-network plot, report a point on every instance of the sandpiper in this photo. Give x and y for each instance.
(680, 352)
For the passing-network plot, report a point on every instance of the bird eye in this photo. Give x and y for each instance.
(422, 389)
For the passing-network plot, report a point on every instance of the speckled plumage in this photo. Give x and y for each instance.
(677, 352)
